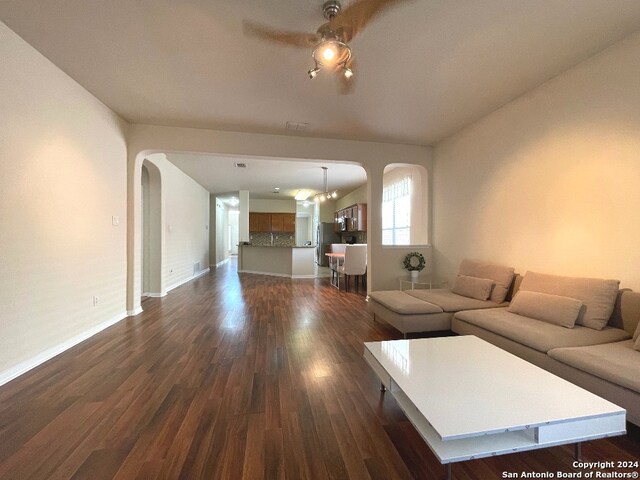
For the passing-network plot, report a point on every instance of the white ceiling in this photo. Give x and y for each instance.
(424, 70)
(261, 176)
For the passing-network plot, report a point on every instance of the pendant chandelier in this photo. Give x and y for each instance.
(325, 195)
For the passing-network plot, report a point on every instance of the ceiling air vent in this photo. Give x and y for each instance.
(240, 165)
(296, 126)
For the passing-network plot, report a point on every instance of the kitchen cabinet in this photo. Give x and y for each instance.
(289, 222)
(259, 222)
(351, 219)
(283, 222)
(272, 222)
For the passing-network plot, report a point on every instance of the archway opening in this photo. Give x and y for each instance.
(151, 284)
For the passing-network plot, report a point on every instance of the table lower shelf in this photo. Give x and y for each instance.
(459, 450)
(493, 444)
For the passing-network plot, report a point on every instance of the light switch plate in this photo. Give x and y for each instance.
(115, 220)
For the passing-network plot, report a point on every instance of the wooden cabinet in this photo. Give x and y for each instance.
(351, 219)
(358, 221)
(289, 222)
(272, 222)
(259, 222)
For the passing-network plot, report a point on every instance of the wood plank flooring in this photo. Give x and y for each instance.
(233, 377)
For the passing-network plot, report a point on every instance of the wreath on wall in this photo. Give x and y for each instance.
(414, 261)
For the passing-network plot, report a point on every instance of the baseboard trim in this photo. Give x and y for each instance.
(25, 366)
(271, 274)
(219, 264)
(193, 277)
(154, 295)
(134, 312)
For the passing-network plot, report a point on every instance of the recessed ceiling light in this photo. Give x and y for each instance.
(277, 188)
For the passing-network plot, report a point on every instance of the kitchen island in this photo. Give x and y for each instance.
(277, 260)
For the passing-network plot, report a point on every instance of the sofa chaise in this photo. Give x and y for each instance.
(479, 285)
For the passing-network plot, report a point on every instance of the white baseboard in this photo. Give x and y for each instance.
(154, 295)
(254, 272)
(219, 264)
(271, 274)
(133, 313)
(182, 282)
(24, 367)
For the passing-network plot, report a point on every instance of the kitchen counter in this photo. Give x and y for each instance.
(277, 260)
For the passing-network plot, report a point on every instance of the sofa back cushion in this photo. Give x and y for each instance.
(626, 312)
(554, 309)
(597, 295)
(501, 276)
(472, 287)
(636, 344)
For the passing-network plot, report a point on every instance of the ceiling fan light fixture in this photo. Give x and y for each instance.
(330, 43)
(313, 73)
(331, 51)
(328, 54)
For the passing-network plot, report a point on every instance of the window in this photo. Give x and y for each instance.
(396, 212)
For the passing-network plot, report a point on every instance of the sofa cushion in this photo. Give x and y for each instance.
(449, 301)
(616, 362)
(536, 334)
(636, 334)
(472, 287)
(636, 343)
(400, 302)
(502, 276)
(562, 311)
(597, 295)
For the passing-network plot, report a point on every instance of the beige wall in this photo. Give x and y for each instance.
(272, 206)
(62, 178)
(359, 195)
(327, 211)
(551, 181)
(185, 205)
(220, 219)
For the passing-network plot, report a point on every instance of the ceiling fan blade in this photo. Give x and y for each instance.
(296, 39)
(354, 18)
(346, 85)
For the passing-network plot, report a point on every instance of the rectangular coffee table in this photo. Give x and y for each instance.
(469, 399)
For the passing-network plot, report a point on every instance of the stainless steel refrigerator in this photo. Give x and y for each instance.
(324, 238)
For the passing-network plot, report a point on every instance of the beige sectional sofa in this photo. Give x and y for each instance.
(584, 330)
(432, 310)
(603, 361)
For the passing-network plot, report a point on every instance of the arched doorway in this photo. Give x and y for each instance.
(151, 281)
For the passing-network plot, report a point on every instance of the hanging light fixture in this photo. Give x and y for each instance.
(331, 51)
(325, 195)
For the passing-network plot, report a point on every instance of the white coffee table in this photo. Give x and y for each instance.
(469, 399)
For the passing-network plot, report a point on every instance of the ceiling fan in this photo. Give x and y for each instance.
(330, 48)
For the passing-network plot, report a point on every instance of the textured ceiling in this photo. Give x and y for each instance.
(424, 70)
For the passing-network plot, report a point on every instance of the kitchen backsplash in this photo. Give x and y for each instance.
(359, 237)
(280, 239)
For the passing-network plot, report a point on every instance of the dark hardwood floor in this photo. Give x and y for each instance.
(233, 377)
